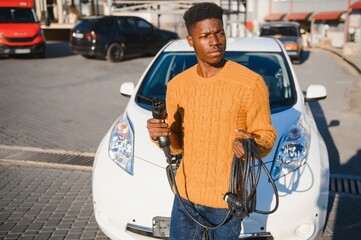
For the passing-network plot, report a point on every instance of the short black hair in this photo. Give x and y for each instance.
(200, 12)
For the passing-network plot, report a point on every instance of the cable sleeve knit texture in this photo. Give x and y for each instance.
(203, 114)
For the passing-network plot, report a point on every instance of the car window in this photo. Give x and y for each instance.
(271, 66)
(100, 25)
(283, 31)
(17, 15)
(121, 24)
(167, 67)
(142, 25)
(129, 23)
(105, 25)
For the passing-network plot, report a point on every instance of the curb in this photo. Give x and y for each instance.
(344, 58)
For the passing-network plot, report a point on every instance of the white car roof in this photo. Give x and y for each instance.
(257, 44)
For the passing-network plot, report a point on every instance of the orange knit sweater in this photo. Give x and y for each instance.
(203, 114)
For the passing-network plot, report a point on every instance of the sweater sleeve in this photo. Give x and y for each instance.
(259, 117)
(174, 120)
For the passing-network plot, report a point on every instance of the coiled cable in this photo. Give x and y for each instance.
(241, 199)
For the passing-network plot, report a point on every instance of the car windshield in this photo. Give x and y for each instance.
(17, 15)
(271, 66)
(283, 31)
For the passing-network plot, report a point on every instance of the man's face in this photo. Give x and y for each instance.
(208, 40)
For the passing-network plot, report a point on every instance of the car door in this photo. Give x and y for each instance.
(133, 36)
(126, 34)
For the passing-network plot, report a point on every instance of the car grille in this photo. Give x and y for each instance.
(30, 39)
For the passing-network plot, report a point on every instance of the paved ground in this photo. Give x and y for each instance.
(46, 203)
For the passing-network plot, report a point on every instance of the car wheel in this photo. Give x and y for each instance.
(115, 52)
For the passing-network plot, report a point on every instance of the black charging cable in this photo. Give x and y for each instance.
(242, 198)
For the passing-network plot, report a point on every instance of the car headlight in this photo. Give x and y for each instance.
(121, 145)
(293, 149)
(291, 46)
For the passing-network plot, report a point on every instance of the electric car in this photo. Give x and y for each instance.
(131, 193)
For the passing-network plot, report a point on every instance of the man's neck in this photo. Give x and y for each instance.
(209, 70)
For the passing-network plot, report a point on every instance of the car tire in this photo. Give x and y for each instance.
(115, 52)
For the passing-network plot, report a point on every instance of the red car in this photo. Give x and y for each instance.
(20, 31)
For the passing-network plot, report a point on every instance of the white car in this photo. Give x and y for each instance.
(132, 196)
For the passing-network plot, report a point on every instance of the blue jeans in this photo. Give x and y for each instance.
(184, 228)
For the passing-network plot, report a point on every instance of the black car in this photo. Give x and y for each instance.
(289, 33)
(113, 37)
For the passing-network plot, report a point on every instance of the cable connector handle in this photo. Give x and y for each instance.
(158, 109)
(233, 200)
(159, 112)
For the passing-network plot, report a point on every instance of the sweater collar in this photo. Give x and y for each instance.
(216, 76)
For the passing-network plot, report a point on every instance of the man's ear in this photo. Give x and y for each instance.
(190, 40)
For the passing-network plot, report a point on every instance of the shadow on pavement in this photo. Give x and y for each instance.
(347, 222)
(305, 56)
(343, 211)
(62, 49)
(53, 50)
(58, 49)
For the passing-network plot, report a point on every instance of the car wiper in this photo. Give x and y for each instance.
(144, 98)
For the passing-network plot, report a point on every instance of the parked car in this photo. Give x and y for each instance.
(131, 193)
(289, 33)
(20, 31)
(113, 37)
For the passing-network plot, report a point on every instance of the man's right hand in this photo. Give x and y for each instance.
(157, 128)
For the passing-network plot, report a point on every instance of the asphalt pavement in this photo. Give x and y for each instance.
(43, 199)
(352, 57)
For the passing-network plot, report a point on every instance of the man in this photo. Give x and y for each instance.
(210, 106)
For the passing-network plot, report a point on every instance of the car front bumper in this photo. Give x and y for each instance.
(293, 54)
(21, 50)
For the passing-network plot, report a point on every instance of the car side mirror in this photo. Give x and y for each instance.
(127, 89)
(315, 93)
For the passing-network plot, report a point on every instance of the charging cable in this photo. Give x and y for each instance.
(242, 198)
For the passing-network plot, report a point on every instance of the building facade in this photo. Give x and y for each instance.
(332, 22)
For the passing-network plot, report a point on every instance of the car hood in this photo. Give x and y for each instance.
(17, 30)
(146, 150)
